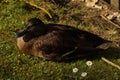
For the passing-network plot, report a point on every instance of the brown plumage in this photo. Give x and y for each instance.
(57, 42)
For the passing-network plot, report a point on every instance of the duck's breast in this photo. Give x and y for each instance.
(25, 47)
(20, 43)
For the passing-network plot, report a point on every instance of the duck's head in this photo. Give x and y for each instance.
(33, 27)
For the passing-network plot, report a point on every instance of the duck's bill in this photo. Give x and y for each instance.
(21, 33)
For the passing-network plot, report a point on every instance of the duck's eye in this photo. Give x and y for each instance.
(28, 24)
(28, 27)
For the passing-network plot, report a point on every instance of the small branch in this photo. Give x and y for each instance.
(110, 21)
(111, 63)
(36, 6)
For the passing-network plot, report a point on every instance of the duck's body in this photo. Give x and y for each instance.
(54, 41)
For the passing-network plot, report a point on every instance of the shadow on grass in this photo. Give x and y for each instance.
(111, 53)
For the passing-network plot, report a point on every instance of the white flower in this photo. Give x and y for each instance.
(84, 74)
(89, 63)
(75, 70)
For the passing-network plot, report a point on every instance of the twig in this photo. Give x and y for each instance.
(110, 21)
(36, 6)
(111, 63)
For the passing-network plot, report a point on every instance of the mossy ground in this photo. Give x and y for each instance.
(16, 66)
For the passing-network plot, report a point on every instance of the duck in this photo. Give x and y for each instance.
(57, 42)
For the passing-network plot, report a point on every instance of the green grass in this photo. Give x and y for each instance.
(17, 66)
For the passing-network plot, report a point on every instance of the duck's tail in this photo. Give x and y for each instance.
(107, 44)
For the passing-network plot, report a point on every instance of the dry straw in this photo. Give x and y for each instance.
(36, 6)
(111, 63)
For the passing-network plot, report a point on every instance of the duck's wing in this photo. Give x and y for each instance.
(55, 43)
(87, 39)
(61, 41)
(82, 38)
